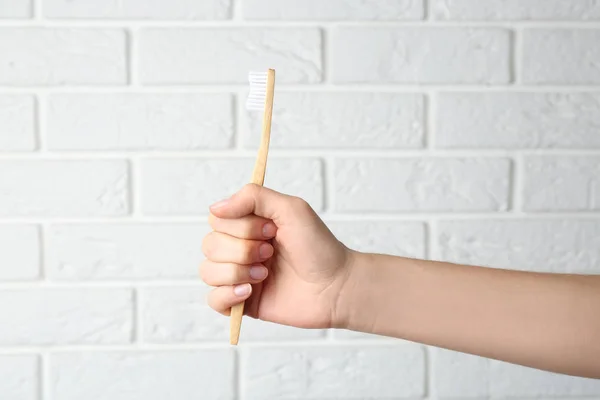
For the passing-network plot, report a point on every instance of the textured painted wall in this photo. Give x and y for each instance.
(462, 130)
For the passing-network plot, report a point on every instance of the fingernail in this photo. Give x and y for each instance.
(258, 272)
(219, 204)
(265, 251)
(242, 290)
(269, 230)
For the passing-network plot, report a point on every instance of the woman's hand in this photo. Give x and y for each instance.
(273, 251)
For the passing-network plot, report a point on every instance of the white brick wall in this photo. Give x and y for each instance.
(497, 380)
(336, 120)
(65, 316)
(20, 253)
(414, 55)
(15, 8)
(139, 122)
(561, 56)
(20, 378)
(62, 56)
(540, 10)
(461, 130)
(17, 119)
(148, 375)
(344, 372)
(154, 10)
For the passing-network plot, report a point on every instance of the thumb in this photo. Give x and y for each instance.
(252, 199)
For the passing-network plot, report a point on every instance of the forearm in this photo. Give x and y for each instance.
(546, 321)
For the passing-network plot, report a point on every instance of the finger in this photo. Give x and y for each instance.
(253, 199)
(227, 274)
(223, 298)
(222, 248)
(247, 227)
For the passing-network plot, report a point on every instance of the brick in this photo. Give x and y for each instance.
(337, 120)
(562, 246)
(426, 184)
(517, 120)
(459, 375)
(333, 10)
(399, 238)
(140, 121)
(148, 375)
(20, 252)
(560, 56)
(190, 186)
(178, 9)
(561, 183)
(414, 55)
(15, 9)
(349, 372)
(17, 119)
(508, 380)
(181, 315)
(19, 377)
(57, 56)
(124, 251)
(63, 188)
(215, 55)
(492, 10)
(65, 316)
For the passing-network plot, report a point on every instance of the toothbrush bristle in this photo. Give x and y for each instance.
(258, 91)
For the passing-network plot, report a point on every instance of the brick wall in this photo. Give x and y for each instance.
(462, 130)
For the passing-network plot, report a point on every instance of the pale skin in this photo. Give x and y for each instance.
(274, 252)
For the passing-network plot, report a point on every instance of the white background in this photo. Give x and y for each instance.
(460, 130)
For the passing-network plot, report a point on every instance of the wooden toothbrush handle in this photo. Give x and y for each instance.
(258, 177)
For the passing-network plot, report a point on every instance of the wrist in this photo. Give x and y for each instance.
(351, 309)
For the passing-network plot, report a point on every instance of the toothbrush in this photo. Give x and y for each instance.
(260, 98)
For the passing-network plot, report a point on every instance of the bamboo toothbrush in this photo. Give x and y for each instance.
(260, 98)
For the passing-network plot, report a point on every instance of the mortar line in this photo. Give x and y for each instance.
(322, 87)
(135, 187)
(285, 154)
(429, 108)
(41, 103)
(404, 216)
(326, 54)
(42, 234)
(36, 10)
(517, 56)
(222, 344)
(517, 184)
(239, 367)
(237, 22)
(238, 110)
(132, 57)
(236, 11)
(135, 317)
(43, 391)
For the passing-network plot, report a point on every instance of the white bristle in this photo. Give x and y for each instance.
(258, 91)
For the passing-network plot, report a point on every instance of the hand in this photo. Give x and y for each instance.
(275, 252)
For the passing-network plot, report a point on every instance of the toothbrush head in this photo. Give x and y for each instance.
(258, 91)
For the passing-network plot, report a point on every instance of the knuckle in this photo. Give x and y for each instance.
(211, 301)
(249, 190)
(235, 274)
(207, 245)
(204, 272)
(250, 228)
(299, 205)
(212, 221)
(248, 251)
